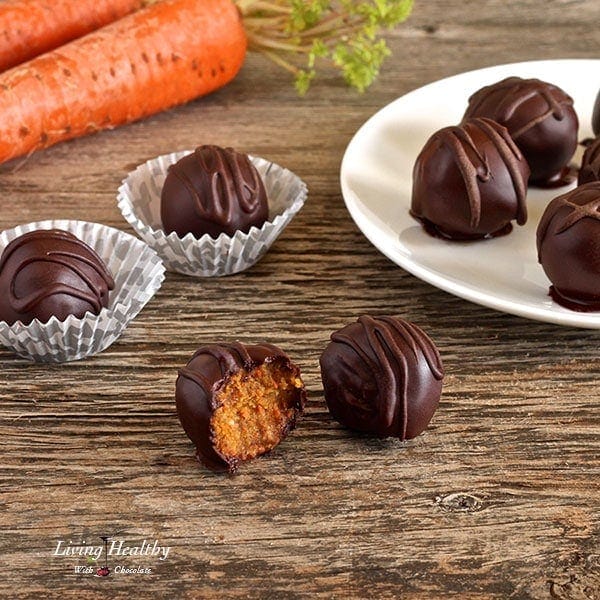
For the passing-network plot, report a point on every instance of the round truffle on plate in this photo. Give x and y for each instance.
(590, 163)
(539, 117)
(382, 375)
(470, 182)
(568, 244)
(211, 191)
(48, 273)
(236, 402)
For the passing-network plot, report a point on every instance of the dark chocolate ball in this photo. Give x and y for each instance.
(48, 273)
(590, 163)
(236, 402)
(539, 117)
(568, 244)
(211, 191)
(470, 182)
(382, 375)
(596, 115)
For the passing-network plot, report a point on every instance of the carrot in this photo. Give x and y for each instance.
(163, 55)
(31, 27)
(173, 51)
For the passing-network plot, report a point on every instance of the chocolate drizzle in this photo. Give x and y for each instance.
(73, 270)
(230, 358)
(580, 203)
(568, 244)
(213, 190)
(382, 375)
(513, 93)
(232, 182)
(478, 167)
(482, 151)
(539, 117)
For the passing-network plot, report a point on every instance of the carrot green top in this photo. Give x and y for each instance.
(344, 32)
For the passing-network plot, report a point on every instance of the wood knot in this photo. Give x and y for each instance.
(431, 29)
(459, 502)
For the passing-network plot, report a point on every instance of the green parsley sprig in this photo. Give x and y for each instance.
(343, 32)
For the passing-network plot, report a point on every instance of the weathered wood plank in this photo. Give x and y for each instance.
(499, 497)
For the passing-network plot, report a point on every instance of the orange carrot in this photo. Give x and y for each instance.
(31, 27)
(173, 51)
(163, 55)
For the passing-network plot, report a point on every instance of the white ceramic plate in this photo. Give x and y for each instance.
(376, 179)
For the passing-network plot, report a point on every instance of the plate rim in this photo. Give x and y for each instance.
(464, 291)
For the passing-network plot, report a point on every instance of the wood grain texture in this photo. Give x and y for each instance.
(499, 498)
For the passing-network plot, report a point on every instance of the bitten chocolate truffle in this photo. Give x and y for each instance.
(48, 273)
(213, 190)
(590, 163)
(539, 117)
(470, 182)
(236, 402)
(568, 244)
(382, 375)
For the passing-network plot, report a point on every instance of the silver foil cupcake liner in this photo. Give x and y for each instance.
(137, 271)
(138, 199)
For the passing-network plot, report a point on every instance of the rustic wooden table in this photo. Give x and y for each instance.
(497, 499)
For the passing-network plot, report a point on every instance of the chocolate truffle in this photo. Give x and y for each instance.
(590, 163)
(236, 402)
(213, 190)
(596, 115)
(382, 375)
(46, 273)
(470, 182)
(568, 244)
(539, 117)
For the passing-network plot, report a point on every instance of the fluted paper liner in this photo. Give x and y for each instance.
(137, 271)
(139, 200)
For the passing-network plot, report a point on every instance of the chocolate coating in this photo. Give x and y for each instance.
(48, 273)
(568, 244)
(596, 115)
(382, 375)
(539, 117)
(212, 191)
(199, 381)
(590, 163)
(470, 182)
